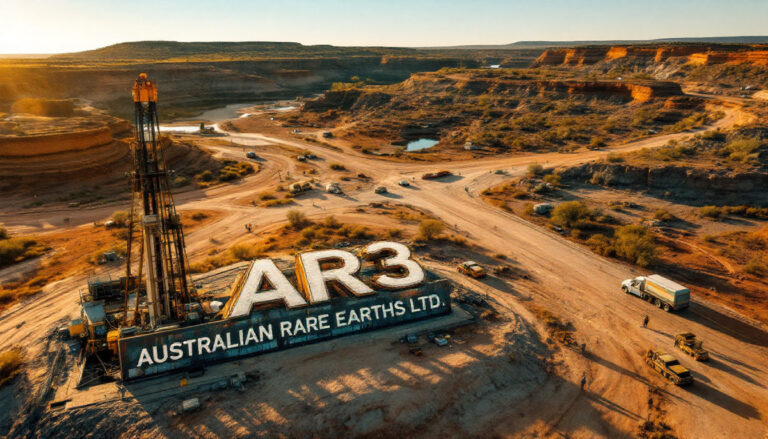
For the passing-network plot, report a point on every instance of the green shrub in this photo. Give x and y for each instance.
(337, 167)
(570, 214)
(601, 244)
(743, 149)
(636, 244)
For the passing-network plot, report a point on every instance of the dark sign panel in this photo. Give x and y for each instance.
(277, 328)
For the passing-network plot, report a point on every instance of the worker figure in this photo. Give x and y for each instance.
(583, 381)
(645, 321)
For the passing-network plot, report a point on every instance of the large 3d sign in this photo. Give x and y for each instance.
(396, 291)
(316, 270)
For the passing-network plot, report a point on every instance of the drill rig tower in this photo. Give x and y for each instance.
(164, 255)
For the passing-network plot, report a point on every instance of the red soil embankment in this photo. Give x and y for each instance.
(30, 146)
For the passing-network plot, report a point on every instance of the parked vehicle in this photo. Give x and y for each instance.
(333, 188)
(687, 343)
(440, 341)
(472, 269)
(542, 208)
(300, 187)
(250, 155)
(403, 183)
(380, 190)
(301, 158)
(668, 367)
(434, 175)
(662, 292)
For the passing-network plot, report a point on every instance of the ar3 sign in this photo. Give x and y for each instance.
(397, 271)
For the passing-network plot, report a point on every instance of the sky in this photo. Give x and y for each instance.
(55, 26)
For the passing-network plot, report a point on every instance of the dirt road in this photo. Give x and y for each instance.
(729, 398)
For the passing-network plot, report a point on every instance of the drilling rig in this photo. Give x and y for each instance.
(117, 308)
(164, 255)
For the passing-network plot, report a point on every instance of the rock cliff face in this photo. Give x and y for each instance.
(695, 185)
(695, 54)
(754, 57)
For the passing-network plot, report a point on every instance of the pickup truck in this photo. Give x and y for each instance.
(662, 292)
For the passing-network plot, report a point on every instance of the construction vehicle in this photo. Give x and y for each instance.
(687, 343)
(300, 187)
(668, 367)
(662, 292)
(471, 269)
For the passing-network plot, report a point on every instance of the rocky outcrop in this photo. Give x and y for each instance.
(695, 54)
(754, 57)
(697, 185)
(572, 57)
(639, 91)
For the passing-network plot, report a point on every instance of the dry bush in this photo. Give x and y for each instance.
(265, 196)
(10, 365)
(535, 170)
(663, 215)
(296, 218)
(277, 203)
(430, 230)
(713, 212)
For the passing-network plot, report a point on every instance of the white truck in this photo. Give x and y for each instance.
(662, 292)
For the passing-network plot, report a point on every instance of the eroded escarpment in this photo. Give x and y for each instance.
(695, 185)
(695, 53)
